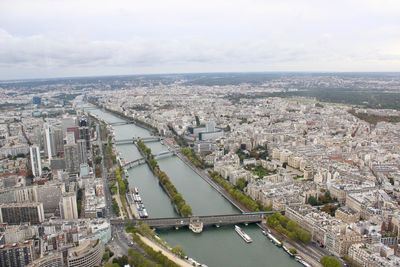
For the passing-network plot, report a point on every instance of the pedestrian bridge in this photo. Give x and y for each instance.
(217, 220)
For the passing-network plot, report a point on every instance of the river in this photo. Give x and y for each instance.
(214, 246)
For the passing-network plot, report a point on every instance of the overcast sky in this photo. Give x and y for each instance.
(58, 38)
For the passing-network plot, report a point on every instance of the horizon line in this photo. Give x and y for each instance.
(188, 73)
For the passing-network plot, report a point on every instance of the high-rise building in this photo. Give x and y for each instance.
(84, 132)
(49, 146)
(68, 206)
(17, 255)
(85, 135)
(71, 157)
(16, 213)
(82, 151)
(35, 161)
(58, 141)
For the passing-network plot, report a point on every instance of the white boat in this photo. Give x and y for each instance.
(196, 227)
(136, 190)
(274, 240)
(243, 235)
(144, 213)
(288, 251)
(305, 263)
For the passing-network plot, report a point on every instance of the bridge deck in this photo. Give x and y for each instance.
(207, 220)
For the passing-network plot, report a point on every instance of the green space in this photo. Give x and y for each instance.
(192, 157)
(259, 170)
(122, 183)
(322, 199)
(237, 194)
(289, 228)
(145, 230)
(115, 207)
(330, 261)
(177, 199)
(79, 201)
(155, 256)
(373, 118)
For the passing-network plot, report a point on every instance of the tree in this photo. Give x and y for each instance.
(330, 261)
(178, 250)
(293, 251)
(121, 261)
(98, 159)
(186, 210)
(241, 183)
(312, 201)
(110, 264)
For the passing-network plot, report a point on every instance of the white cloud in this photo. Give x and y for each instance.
(62, 38)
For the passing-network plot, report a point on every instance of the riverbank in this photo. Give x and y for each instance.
(216, 246)
(121, 115)
(164, 251)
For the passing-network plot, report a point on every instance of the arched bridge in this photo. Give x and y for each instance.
(218, 220)
(140, 161)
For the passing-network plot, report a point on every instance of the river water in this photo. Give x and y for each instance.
(214, 246)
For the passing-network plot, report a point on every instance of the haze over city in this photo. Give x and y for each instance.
(40, 39)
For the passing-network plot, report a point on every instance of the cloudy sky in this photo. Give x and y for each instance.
(58, 38)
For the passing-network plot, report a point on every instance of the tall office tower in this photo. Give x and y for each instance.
(16, 213)
(68, 206)
(16, 255)
(82, 151)
(84, 132)
(58, 140)
(35, 161)
(49, 146)
(38, 137)
(71, 157)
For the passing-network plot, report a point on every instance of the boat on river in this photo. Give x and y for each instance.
(274, 240)
(243, 235)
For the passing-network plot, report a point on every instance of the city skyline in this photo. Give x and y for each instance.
(48, 39)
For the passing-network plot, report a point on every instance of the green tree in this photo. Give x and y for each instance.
(330, 261)
(186, 210)
(178, 250)
(312, 201)
(241, 184)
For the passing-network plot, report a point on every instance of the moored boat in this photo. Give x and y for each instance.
(243, 235)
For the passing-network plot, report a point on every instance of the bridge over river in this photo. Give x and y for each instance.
(140, 161)
(217, 220)
(134, 140)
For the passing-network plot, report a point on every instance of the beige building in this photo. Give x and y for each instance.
(88, 254)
